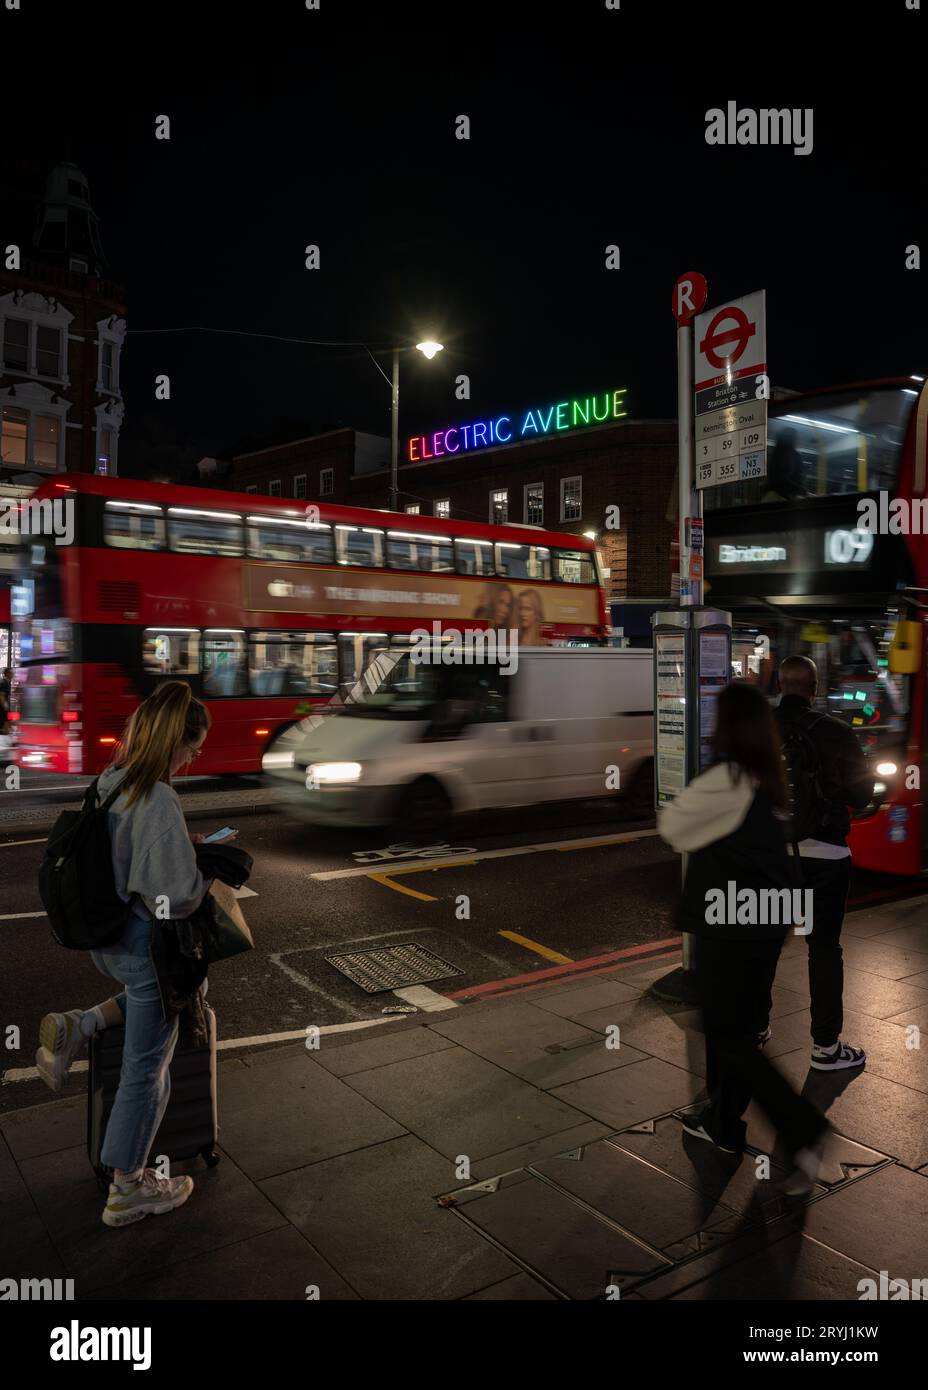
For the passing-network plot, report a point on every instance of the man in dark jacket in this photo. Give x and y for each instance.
(843, 779)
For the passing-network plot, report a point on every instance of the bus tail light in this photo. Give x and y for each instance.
(70, 716)
(13, 715)
(108, 740)
(261, 732)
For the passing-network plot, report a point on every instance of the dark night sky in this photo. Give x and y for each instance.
(588, 128)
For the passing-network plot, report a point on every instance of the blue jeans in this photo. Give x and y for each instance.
(145, 1078)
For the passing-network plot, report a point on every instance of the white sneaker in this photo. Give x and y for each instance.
(150, 1196)
(801, 1181)
(60, 1040)
(837, 1058)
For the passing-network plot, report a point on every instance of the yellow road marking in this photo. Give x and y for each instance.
(400, 888)
(545, 951)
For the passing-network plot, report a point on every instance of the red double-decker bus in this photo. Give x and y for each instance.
(795, 558)
(267, 607)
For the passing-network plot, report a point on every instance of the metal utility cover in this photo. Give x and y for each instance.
(392, 967)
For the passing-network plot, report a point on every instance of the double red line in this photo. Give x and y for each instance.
(592, 965)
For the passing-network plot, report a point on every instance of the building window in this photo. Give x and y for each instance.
(534, 501)
(499, 506)
(16, 345)
(252, 488)
(299, 485)
(48, 352)
(274, 488)
(107, 368)
(326, 482)
(443, 507)
(105, 452)
(29, 439)
(571, 498)
(14, 429)
(412, 509)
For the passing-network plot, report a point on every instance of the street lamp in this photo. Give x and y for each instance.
(428, 347)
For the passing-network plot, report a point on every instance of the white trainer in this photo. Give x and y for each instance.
(60, 1040)
(150, 1196)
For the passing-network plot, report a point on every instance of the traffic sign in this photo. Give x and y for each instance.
(689, 295)
(730, 385)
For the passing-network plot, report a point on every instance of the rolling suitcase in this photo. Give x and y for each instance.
(191, 1123)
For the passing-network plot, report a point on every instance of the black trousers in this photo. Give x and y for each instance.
(734, 979)
(829, 880)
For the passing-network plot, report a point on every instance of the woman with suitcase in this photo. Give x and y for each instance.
(155, 869)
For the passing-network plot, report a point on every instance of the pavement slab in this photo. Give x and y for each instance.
(372, 1215)
(638, 1092)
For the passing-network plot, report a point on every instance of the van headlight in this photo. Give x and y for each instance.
(331, 774)
(272, 760)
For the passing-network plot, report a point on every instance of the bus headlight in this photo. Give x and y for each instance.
(332, 774)
(879, 788)
(272, 760)
(886, 770)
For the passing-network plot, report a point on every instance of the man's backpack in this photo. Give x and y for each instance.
(76, 880)
(805, 774)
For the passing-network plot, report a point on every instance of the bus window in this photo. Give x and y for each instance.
(356, 651)
(574, 567)
(474, 557)
(171, 651)
(193, 532)
(293, 663)
(359, 545)
(272, 539)
(523, 561)
(408, 551)
(222, 662)
(133, 525)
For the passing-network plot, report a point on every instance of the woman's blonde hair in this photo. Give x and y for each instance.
(169, 718)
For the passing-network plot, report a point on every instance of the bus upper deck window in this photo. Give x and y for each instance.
(359, 545)
(273, 538)
(133, 525)
(408, 550)
(196, 532)
(171, 651)
(574, 567)
(474, 557)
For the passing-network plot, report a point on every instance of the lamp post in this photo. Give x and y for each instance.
(428, 347)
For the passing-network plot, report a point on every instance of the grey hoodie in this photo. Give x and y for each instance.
(152, 852)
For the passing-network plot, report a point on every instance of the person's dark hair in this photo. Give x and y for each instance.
(747, 736)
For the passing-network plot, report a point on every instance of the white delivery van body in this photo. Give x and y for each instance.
(554, 730)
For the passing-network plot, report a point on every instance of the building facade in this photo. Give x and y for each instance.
(62, 329)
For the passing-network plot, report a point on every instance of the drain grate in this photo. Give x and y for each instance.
(393, 967)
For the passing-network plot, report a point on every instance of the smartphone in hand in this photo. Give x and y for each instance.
(218, 835)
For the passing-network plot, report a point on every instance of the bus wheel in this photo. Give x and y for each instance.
(424, 811)
(640, 798)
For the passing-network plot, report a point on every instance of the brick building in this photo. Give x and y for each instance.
(564, 482)
(62, 327)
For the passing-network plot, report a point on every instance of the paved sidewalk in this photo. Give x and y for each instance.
(347, 1168)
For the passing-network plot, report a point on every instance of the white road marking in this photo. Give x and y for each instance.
(10, 843)
(244, 892)
(18, 916)
(327, 875)
(306, 983)
(428, 1000)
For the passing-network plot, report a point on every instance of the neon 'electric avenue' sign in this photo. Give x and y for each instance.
(481, 434)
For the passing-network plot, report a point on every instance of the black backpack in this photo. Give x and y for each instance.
(805, 774)
(76, 880)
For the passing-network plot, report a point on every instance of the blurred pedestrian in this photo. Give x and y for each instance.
(730, 821)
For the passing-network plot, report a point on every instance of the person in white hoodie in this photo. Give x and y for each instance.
(154, 864)
(739, 902)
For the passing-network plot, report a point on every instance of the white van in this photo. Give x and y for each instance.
(418, 741)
